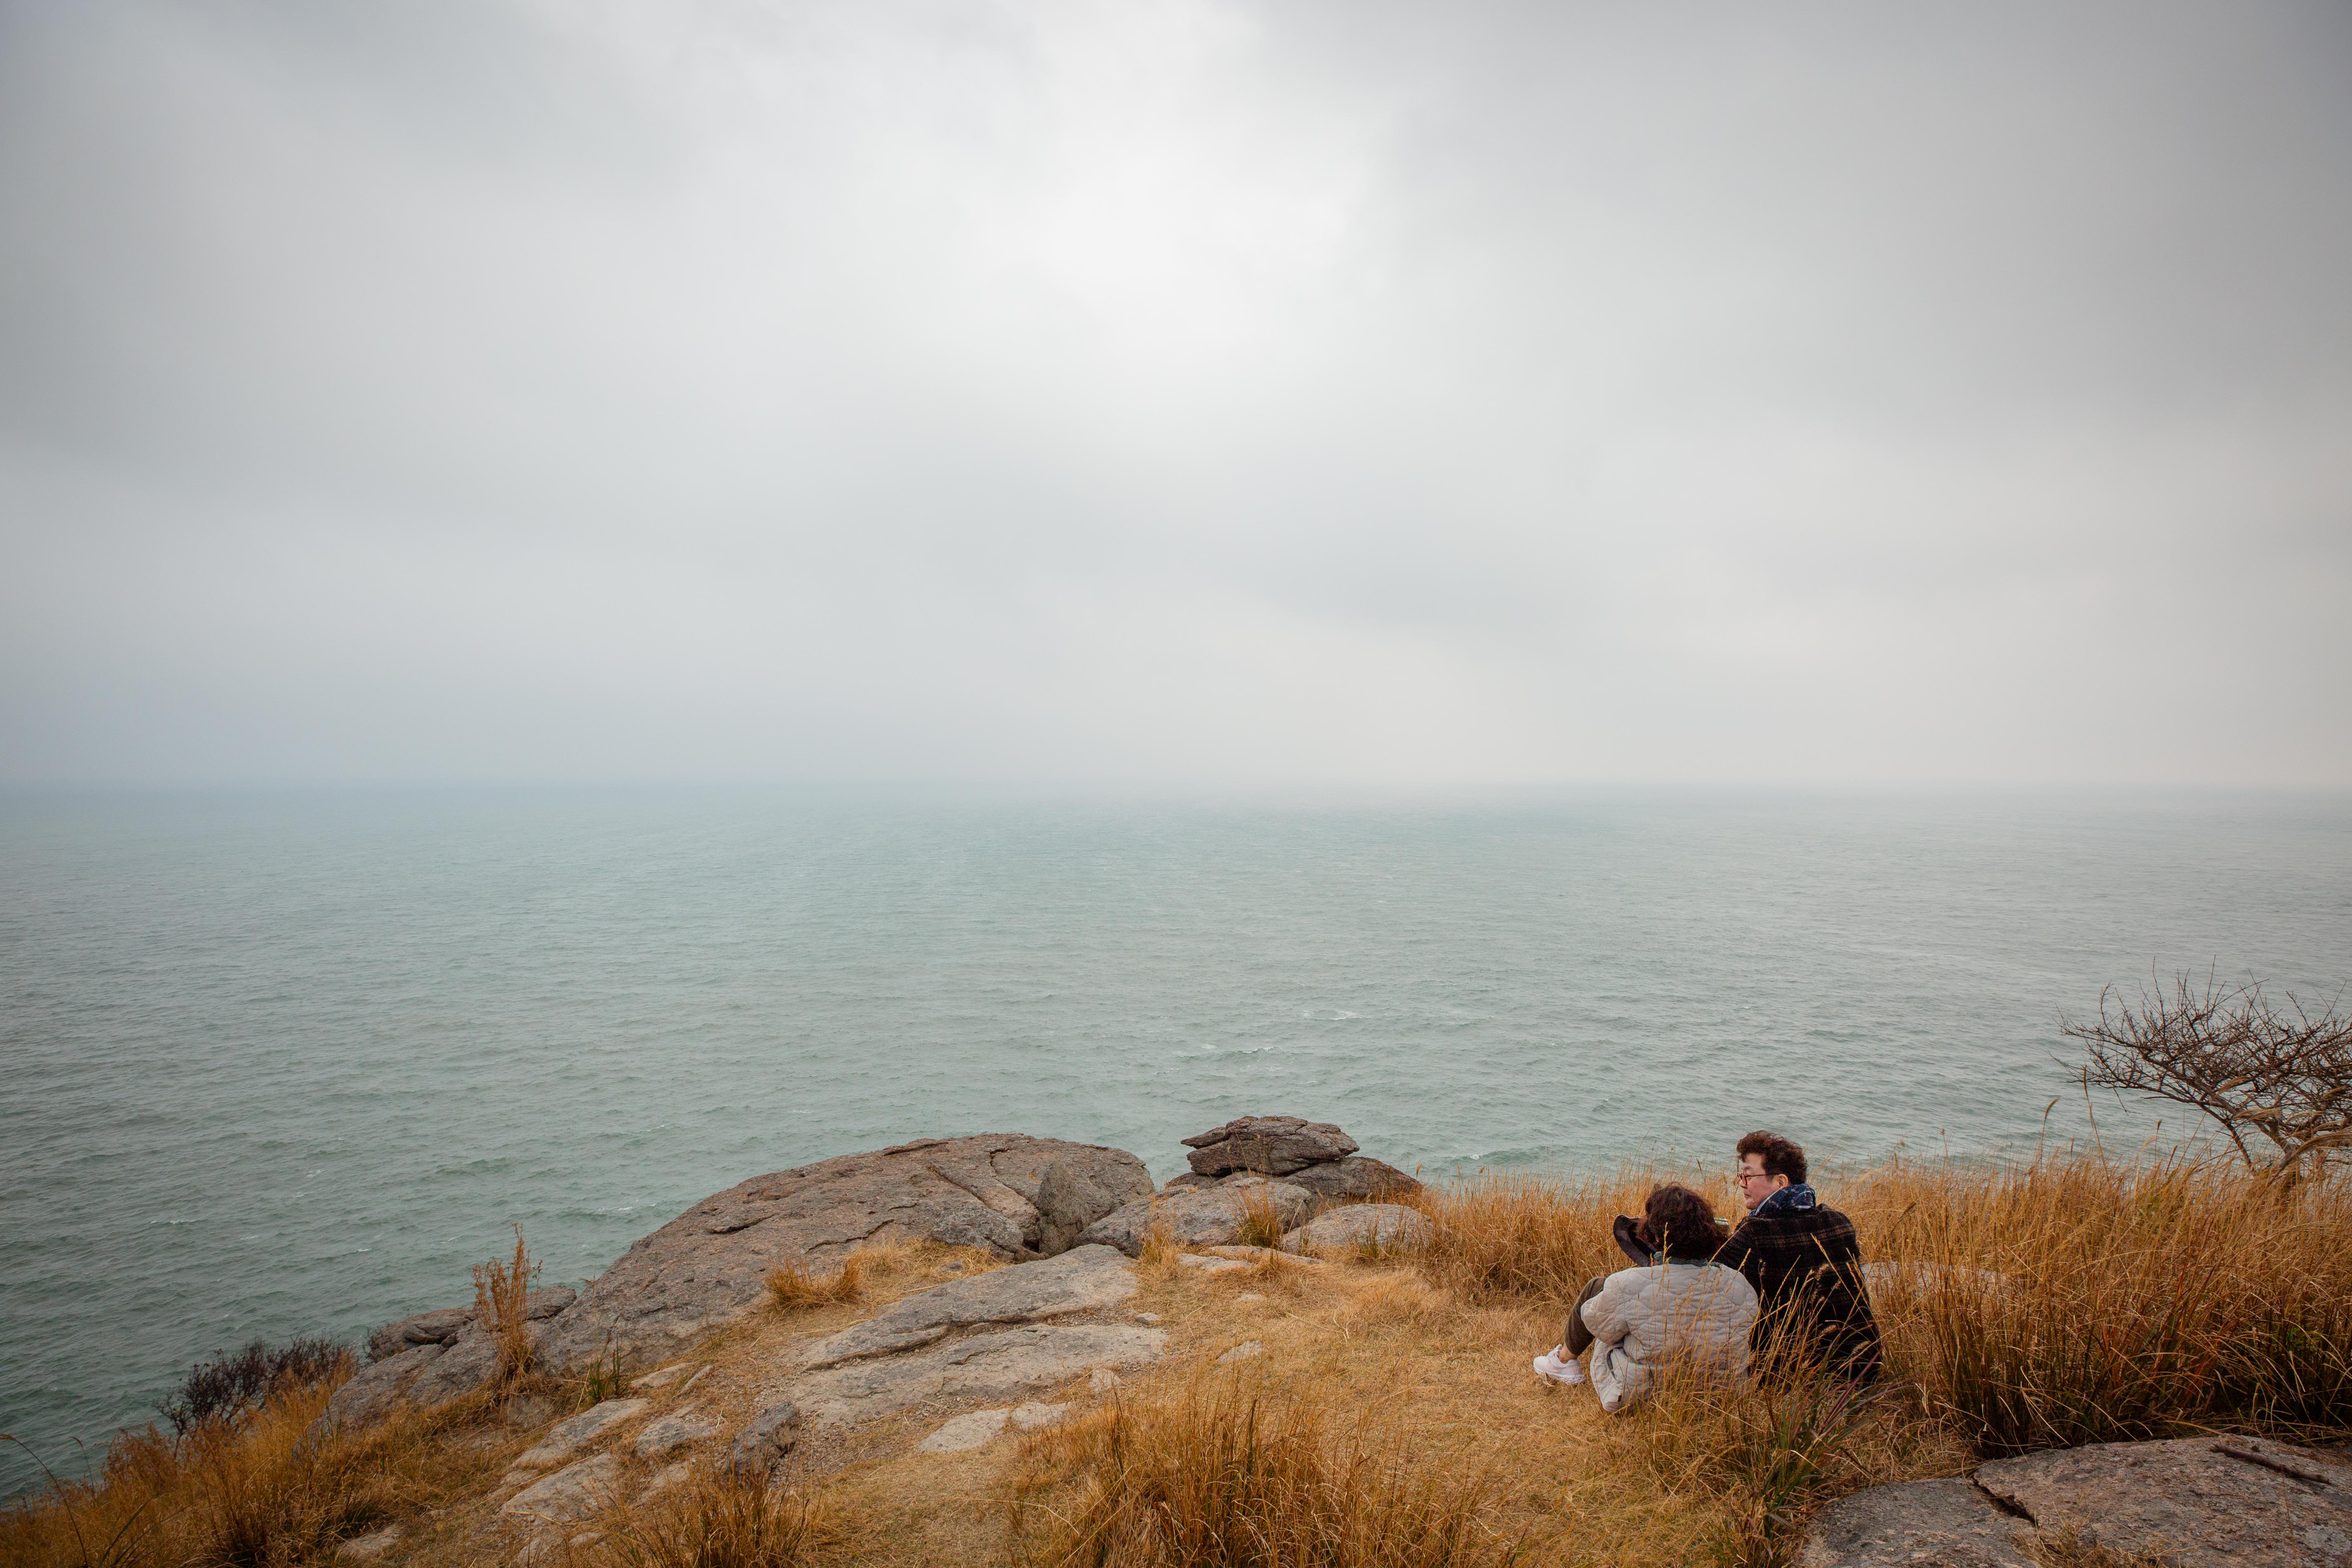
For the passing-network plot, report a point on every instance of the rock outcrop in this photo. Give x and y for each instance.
(1084, 1280)
(1017, 1196)
(2202, 1503)
(1950, 1524)
(1200, 1216)
(1381, 1227)
(444, 1325)
(2198, 1502)
(993, 1366)
(1266, 1146)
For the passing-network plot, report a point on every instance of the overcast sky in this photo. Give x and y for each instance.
(1175, 392)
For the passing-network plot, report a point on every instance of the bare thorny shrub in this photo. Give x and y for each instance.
(1212, 1474)
(2266, 1073)
(502, 1293)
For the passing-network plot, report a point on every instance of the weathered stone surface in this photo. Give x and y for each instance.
(1388, 1227)
(464, 1364)
(2201, 1502)
(1079, 1280)
(368, 1547)
(1248, 1350)
(662, 1377)
(765, 1439)
(692, 1275)
(1356, 1176)
(977, 1428)
(1204, 1216)
(527, 1410)
(566, 1438)
(675, 1433)
(571, 1493)
(436, 1328)
(961, 1434)
(985, 1366)
(440, 1327)
(1949, 1524)
(1267, 1145)
(1208, 1263)
(376, 1391)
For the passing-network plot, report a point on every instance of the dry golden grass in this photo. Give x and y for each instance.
(257, 1492)
(791, 1289)
(712, 1520)
(1215, 1474)
(500, 1293)
(2065, 1301)
(1261, 1219)
(2080, 1300)
(1528, 1239)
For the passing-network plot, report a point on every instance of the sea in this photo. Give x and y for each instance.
(287, 1063)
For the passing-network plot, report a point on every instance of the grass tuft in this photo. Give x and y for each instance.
(500, 1290)
(1215, 1475)
(792, 1289)
(714, 1519)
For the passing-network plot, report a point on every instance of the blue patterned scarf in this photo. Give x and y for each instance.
(1790, 1199)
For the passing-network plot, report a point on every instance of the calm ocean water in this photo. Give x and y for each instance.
(282, 1064)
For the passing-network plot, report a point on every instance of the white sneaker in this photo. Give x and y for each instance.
(1551, 1364)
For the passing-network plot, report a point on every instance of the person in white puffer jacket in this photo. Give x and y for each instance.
(1682, 1310)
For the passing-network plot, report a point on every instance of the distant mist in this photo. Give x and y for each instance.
(1183, 391)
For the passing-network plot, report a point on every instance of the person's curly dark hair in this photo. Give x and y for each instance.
(1679, 1222)
(1781, 1157)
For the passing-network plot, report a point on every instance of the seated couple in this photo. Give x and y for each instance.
(1784, 1292)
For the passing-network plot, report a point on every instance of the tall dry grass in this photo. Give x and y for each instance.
(2083, 1300)
(500, 1305)
(1214, 1475)
(260, 1490)
(715, 1519)
(2072, 1300)
(1528, 1239)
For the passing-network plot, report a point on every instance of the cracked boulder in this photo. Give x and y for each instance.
(1266, 1146)
(1085, 1279)
(2201, 1502)
(991, 1366)
(1016, 1196)
(1950, 1524)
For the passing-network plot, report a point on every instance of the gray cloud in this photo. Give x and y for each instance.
(1193, 391)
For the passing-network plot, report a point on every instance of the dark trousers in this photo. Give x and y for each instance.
(1576, 1339)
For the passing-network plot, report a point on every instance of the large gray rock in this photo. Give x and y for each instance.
(1266, 1145)
(568, 1495)
(1201, 1217)
(765, 1439)
(675, 1433)
(440, 1327)
(1001, 1192)
(2202, 1503)
(1384, 1227)
(374, 1391)
(983, 1367)
(1357, 1176)
(1910, 1524)
(1081, 1280)
(566, 1438)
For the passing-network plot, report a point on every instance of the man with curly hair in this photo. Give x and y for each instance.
(1805, 1263)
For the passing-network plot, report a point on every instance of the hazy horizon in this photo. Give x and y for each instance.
(1200, 395)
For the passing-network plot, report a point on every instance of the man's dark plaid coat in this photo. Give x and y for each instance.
(1806, 1266)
